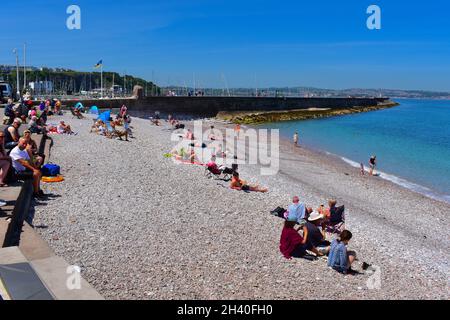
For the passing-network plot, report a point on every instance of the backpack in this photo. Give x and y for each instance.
(279, 212)
(50, 170)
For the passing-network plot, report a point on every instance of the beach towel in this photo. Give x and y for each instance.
(58, 178)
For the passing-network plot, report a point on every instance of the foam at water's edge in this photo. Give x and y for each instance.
(404, 183)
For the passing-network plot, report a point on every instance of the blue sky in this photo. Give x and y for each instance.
(252, 43)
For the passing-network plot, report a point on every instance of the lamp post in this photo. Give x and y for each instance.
(24, 66)
(17, 73)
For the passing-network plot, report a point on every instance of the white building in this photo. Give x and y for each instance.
(41, 87)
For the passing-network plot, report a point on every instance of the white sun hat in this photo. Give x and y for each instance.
(315, 216)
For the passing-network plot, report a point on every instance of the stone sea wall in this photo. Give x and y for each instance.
(252, 107)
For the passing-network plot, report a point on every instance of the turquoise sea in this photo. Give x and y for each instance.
(411, 142)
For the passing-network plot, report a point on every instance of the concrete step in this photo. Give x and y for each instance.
(55, 274)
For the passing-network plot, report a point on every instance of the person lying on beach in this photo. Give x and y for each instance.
(180, 155)
(339, 258)
(292, 244)
(238, 184)
(64, 128)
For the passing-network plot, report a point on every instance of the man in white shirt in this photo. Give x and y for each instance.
(21, 162)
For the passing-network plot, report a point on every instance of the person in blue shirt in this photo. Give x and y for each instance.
(339, 258)
(297, 210)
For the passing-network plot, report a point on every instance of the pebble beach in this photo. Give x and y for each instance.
(143, 227)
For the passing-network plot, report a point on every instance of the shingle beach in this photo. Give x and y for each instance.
(142, 227)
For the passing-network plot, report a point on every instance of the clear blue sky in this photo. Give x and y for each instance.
(265, 43)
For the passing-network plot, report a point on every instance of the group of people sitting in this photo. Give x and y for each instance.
(20, 158)
(37, 116)
(109, 129)
(306, 230)
(27, 109)
(188, 155)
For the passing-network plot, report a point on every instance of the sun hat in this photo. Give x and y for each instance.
(315, 216)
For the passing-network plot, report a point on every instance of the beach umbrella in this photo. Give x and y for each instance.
(93, 110)
(104, 116)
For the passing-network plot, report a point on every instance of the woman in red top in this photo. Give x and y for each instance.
(292, 244)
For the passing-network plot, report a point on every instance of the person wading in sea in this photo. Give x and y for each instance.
(372, 164)
(296, 138)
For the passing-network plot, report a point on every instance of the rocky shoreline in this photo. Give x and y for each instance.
(258, 117)
(143, 227)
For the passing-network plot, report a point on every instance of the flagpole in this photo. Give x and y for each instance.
(101, 79)
(113, 86)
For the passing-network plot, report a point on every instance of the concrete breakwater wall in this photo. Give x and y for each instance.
(211, 106)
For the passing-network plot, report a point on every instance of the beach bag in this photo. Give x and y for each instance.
(278, 211)
(50, 170)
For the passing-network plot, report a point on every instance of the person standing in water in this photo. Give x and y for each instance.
(372, 164)
(296, 138)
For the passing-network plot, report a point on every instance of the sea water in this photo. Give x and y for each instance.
(411, 142)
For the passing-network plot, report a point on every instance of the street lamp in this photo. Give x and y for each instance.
(17, 72)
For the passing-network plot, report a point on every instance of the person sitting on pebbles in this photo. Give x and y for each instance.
(64, 128)
(238, 184)
(315, 234)
(36, 158)
(292, 244)
(339, 258)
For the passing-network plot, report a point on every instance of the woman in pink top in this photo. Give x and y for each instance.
(292, 244)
